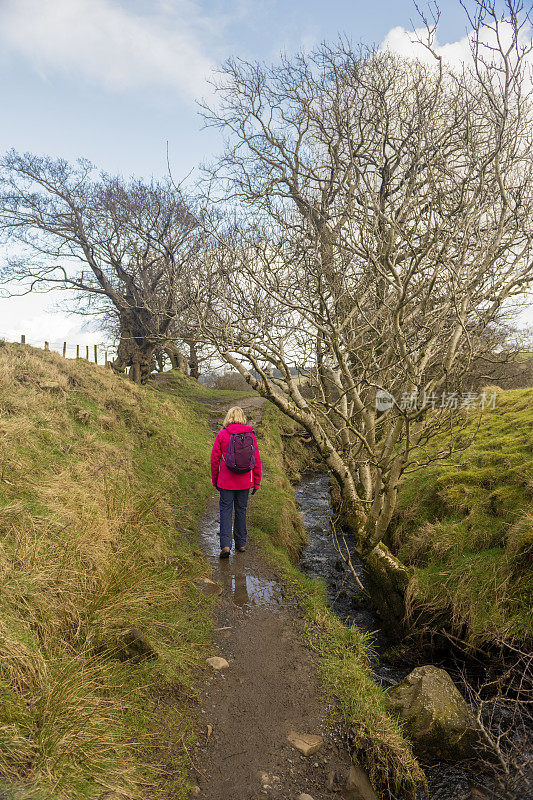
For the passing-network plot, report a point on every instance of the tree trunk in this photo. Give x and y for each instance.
(386, 578)
(138, 357)
(193, 359)
(177, 359)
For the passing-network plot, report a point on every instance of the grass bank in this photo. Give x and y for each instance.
(342, 651)
(465, 526)
(102, 484)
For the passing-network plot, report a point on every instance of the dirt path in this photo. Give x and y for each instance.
(269, 688)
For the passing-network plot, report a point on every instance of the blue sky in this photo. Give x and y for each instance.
(114, 80)
(59, 102)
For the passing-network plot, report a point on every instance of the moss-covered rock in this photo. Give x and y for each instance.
(436, 717)
(127, 644)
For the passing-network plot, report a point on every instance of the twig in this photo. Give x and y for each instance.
(231, 755)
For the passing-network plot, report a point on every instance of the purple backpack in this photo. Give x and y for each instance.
(241, 452)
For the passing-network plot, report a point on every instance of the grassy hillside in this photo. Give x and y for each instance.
(101, 487)
(467, 526)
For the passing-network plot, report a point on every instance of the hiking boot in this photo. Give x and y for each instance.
(224, 553)
(241, 549)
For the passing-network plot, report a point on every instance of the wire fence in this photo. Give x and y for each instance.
(101, 353)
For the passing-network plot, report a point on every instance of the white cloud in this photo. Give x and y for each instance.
(111, 43)
(408, 43)
(38, 318)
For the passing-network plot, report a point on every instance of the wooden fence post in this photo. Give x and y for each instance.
(64, 349)
(47, 345)
(87, 352)
(96, 354)
(23, 339)
(77, 351)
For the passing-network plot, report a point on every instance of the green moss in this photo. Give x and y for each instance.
(457, 525)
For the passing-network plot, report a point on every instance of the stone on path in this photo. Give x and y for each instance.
(269, 781)
(358, 786)
(209, 587)
(307, 743)
(264, 777)
(437, 719)
(304, 797)
(217, 663)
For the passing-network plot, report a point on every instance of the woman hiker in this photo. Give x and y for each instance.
(235, 469)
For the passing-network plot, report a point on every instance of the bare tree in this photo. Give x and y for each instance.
(129, 249)
(503, 705)
(386, 221)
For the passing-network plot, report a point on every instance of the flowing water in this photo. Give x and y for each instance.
(321, 560)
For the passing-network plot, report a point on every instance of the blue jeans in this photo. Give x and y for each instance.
(230, 499)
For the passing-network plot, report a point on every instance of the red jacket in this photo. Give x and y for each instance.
(224, 478)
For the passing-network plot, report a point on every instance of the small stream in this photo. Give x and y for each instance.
(321, 560)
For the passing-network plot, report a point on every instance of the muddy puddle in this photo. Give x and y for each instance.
(235, 573)
(321, 560)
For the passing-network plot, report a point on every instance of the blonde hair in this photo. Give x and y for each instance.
(235, 414)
